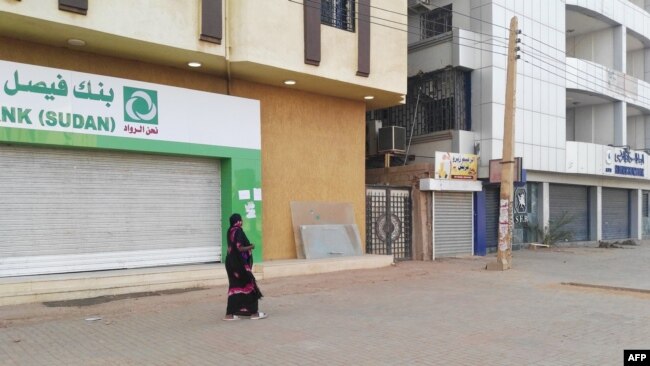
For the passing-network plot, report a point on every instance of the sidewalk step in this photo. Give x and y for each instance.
(71, 286)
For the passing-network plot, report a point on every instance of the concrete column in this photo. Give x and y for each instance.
(636, 214)
(543, 205)
(596, 213)
(620, 123)
(620, 48)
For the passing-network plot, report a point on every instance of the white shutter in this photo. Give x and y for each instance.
(454, 224)
(79, 210)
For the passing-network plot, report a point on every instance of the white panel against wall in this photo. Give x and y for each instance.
(527, 127)
(537, 157)
(486, 84)
(604, 124)
(561, 132)
(584, 124)
(647, 132)
(536, 104)
(582, 155)
(528, 156)
(552, 159)
(528, 92)
(570, 47)
(537, 129)
(582, 47)
(486, 120)
(570, 125)
(497, 120)
(571, 157)
(544, 100)
(497, 148)
(603, 42)
(546, 130)
(544, 155)
(498, 78)
(591, 159)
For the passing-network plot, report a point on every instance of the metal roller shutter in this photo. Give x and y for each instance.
(82, 210)
(616, 213)
(453, 224)
(492, 217)
(573, 200)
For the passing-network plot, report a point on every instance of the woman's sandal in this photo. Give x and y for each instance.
(228, 318)
(260, 315)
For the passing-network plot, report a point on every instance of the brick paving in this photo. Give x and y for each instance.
(449, 312)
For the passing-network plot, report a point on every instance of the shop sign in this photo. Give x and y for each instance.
(42, 98)
(520, 215)
(624, 162)
(456, 166)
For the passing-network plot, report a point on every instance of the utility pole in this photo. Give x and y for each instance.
(504, 253)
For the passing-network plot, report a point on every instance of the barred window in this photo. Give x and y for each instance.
(645, 205)
(338, 13)
(444, 103)
(435, 22)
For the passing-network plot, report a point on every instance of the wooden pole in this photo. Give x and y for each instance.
(504, 253)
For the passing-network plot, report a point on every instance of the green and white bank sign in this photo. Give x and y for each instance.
(47, 99)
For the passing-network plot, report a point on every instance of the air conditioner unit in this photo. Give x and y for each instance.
(372, 131)
(419, 6)
(392, 140)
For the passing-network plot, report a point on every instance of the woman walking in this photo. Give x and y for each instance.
(243, 293)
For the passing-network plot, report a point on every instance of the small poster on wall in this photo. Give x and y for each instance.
(456, 166)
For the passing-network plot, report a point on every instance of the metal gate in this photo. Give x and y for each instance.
(388, 221)
(572, 201)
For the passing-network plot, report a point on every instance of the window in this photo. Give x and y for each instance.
(645, 205)
(338, 13)
(444, 104)
(435, 22)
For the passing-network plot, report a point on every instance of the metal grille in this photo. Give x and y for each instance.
(435, 22)
(444, 104)
(338, 13)
(645, 205)
(388, 222)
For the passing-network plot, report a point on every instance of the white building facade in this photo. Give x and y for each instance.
(582, 108)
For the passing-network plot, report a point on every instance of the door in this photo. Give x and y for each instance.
(571, 201)
(388, 221)
(453, 224)
(616, 213)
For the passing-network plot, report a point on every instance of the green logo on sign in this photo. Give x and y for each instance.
(140, 105)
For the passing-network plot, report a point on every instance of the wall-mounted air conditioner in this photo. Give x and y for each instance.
(392, 140)
(419, 6)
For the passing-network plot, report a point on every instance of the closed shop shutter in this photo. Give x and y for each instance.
(453, 224)
(574, 201)
(492, 217)
(616, 213)
(82, 210)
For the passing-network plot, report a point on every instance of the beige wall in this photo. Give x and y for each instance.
(270, 32)
(170, 23)
(312, 150)
(58, 57)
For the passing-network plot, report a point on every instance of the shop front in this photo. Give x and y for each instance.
(104, 173)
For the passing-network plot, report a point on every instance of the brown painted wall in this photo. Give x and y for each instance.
(312, 150)
(63, 58)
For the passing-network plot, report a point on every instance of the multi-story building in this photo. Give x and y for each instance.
(582, 95)
(131, 130)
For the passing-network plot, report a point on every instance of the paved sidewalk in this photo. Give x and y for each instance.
(449, 312)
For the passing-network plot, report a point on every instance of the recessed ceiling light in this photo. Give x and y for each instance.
(76, 42)
(194, 64)
(369, 97)
(289, 82)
